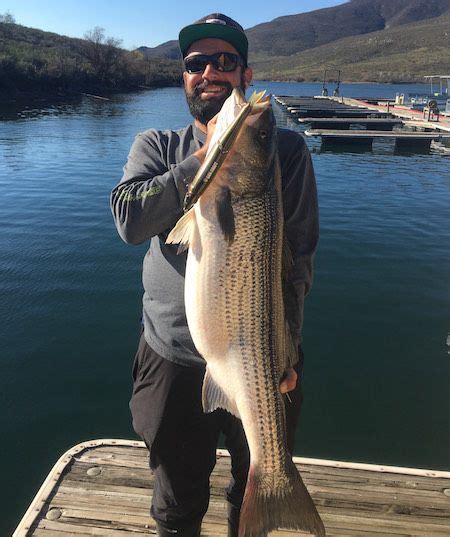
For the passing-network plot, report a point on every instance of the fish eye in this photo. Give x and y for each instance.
(263, 133)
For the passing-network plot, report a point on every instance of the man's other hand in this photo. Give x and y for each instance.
(201, 153)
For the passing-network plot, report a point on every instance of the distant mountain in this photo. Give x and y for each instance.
(287, 35)
(369, 40)
(320, 35)
(398, 54)
(168, 50)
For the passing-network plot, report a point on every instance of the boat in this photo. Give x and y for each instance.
(437, 96)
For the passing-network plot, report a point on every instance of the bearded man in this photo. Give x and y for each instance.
(168, 371)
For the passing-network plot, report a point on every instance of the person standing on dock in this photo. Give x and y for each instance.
(168, 372)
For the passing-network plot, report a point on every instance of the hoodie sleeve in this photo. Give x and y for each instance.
(149, 197)
(301, 217)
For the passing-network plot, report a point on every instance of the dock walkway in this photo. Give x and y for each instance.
(326, 107)
(407, 140)
(385, 124)
(104, 487)
(338, 121)
(410, 116)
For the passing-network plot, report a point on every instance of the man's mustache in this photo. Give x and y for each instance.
(203, 85)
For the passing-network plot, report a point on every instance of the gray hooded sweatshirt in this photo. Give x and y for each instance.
(148, 201)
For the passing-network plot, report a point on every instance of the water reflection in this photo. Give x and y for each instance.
(330, 147)
(19, 109)
(79, 105)
(71, 290)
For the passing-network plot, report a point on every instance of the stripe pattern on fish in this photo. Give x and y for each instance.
(235, 310)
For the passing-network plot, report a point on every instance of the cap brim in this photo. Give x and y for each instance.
(195, 32)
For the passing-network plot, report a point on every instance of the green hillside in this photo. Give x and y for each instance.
(369, 40)
(37, 63)
(294, 33)
(401, 54)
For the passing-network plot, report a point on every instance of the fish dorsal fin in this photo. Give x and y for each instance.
(183, 231)
(213, 397)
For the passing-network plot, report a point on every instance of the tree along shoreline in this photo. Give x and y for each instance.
(35, 80)
(49, 93)
(36, 64)
(42, 93)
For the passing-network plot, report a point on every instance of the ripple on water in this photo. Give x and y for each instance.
(376, 320)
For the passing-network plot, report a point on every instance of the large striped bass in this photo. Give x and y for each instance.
(235, 309)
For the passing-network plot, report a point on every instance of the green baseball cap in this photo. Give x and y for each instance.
(215, 25)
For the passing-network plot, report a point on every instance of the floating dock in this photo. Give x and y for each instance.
(104, 487)
(328, 107)
(340, 121)
(407, 113)
(385, 124)
(403, 139)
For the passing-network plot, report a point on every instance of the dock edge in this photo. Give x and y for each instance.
(52, 479)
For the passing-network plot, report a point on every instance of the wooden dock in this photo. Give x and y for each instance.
(346, 123)
(336, 112)
(405, 140)
(409, 115)
(104, 487)
(326, 107)
(336, 119)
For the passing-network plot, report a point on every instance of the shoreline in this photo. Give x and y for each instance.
(396, 82)
(33, 96)
(19, 96)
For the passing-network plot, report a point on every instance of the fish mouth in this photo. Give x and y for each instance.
(219, 151)
(214, 159)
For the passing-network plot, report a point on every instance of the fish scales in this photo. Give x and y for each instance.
(250, 264)
(235, 311)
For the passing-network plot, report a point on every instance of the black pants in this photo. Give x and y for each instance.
(167, 413)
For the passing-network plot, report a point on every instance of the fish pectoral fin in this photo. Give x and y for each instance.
(225, 214)
(183, 231)
(213, 397)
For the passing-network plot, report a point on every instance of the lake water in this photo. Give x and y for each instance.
(377, 379)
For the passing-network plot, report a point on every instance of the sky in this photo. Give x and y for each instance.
(146, 22)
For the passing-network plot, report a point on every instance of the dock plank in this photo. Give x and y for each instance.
(114, 497)
(369, 120)
(338, 133)
(331, 119)
(385, 124)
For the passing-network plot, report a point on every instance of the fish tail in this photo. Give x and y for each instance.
(291, 507)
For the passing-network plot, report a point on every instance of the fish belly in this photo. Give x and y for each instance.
(235, 313)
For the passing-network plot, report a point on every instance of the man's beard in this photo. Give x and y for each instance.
(205, 110)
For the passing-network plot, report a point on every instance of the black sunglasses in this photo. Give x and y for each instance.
(225, 62)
